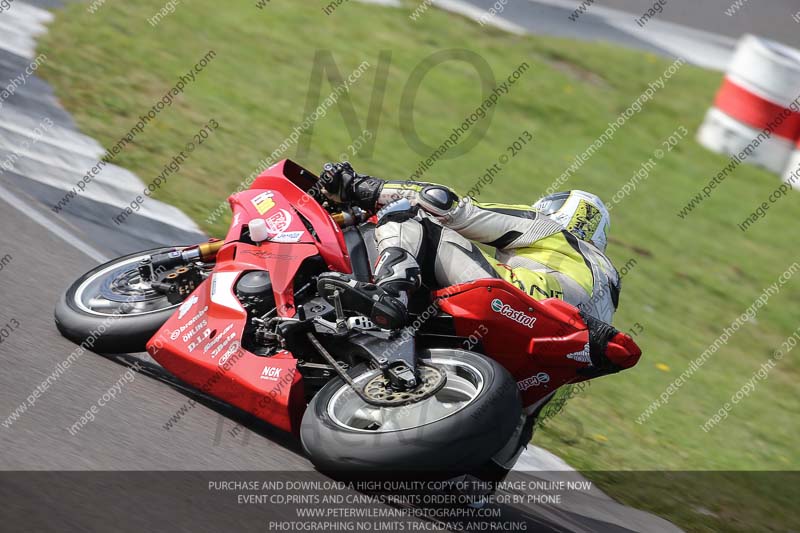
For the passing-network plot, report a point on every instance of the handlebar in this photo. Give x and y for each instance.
(351, 217)
(343, 214)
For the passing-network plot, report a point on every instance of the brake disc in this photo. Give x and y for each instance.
(380, 392)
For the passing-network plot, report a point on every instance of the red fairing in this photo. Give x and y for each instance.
(200, 343)
(542, 343)
(331, 246)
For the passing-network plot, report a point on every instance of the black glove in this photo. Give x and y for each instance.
(343, 185)
(337, 181)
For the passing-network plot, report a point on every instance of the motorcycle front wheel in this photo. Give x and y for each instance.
(111, 309)
(456, 429)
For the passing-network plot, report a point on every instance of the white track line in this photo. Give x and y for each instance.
(475, 13)
(20, 205)
(20, 25)
(702, 48)
(70, 154)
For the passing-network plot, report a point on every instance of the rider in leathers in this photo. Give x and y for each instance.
(425, 234)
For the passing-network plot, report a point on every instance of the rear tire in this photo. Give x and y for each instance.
(456, 442)
(109, 332)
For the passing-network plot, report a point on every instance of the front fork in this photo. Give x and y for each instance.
(173, 272)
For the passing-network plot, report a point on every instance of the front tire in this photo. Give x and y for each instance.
(459, 428)
(90, 310)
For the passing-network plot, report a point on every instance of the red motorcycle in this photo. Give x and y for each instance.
(241, 320)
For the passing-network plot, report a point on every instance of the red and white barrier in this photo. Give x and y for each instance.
(757, 108)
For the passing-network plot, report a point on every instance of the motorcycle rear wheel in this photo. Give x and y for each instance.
(457, 429)
(110, 309)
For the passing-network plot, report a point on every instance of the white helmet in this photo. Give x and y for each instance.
(582, 213)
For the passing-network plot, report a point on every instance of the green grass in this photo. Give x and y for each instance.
(692, 278)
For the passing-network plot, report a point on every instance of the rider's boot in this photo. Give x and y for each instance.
(385, 301)
(397, 272)
(609, 349)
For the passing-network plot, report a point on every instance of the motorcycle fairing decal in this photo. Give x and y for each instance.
(199, 339)
(263, 202)
(583, 356)
(534, 381)
(279, 222)
(191, 327)
(186, 306)
(268, 254)
(288, 237)
(220, 341)
(271, 373)
(234, 347)
(498, 306)
(222, 290)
